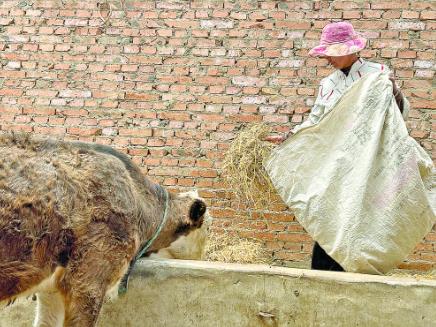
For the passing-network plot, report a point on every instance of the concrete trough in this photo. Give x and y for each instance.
(172, 293)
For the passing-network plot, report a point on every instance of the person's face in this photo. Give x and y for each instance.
(341, 61)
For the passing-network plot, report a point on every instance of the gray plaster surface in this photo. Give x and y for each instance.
(176, 293)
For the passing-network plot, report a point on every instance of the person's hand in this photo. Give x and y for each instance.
(276, 139)
(394, 85)
(399, 99)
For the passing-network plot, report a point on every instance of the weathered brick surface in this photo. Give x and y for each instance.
(171, 83)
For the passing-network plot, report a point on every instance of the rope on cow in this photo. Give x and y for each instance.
(124, 283)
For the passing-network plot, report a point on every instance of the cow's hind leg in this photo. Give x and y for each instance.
(50, 310)
(83, 308)
(84, 286)
(86, 282)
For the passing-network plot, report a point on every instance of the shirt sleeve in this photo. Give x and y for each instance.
(315, 115)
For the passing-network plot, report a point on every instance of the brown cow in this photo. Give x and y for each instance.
(72, 218)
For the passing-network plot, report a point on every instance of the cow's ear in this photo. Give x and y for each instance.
(198, 208)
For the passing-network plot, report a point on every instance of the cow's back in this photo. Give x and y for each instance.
(49, 188)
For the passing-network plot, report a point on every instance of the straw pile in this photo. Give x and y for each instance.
(234, 249)
(243, 170)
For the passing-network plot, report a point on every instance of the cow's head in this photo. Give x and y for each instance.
(185, 214)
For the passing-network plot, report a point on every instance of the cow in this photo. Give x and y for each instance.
(73, 217)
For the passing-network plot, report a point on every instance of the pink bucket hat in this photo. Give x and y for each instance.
(338, 39)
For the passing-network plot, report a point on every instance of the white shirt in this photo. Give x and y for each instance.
(333, 86)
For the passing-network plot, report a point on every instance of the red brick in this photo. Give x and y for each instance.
(40, 119)
(396, 44)
(39, 111)
(22, 119)
(49, 130)
(407, 54)
(352, 15)
(135, 132)
(427, 14)
(264, 236)
(12, 74)
(279, 217)
(11, 92)
(417, 265)
(290, 256)
(370, 25)
(83, 131)
(291, 237)
(56, 120)
(424, 247)
(398, 4)
(142, 96)
(293, 25)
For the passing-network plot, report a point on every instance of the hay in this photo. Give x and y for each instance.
(243, 170)
(234, 249)
(415, 275)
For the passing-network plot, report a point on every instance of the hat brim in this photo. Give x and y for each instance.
(339, 49)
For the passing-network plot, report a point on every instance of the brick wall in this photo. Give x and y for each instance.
(171, 83)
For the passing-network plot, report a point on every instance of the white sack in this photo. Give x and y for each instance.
(357, 182)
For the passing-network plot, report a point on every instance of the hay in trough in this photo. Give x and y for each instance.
(243, 170)
(234, 249)
(415, 275)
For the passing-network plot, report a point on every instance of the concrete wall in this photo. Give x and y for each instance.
(174, 293)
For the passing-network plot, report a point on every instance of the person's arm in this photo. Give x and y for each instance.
(314, 116)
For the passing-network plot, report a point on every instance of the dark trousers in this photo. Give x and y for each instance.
(322, 261)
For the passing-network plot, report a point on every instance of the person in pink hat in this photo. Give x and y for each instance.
(340, 45)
